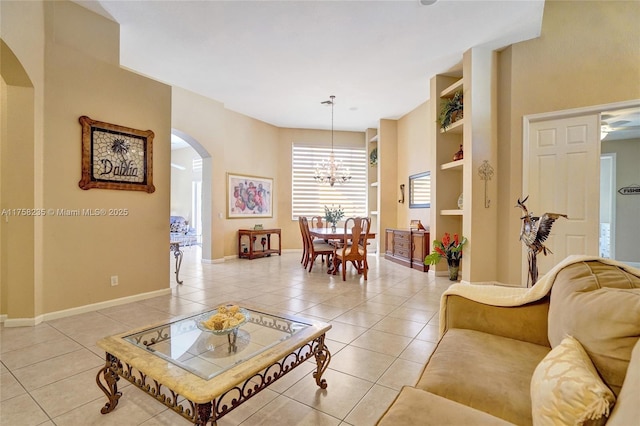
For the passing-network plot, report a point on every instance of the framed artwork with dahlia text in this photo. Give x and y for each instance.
(116, 157)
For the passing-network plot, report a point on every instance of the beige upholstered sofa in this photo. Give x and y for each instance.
(505, 355)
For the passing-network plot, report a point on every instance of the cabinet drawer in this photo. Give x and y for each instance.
(402, 252)
(400, 237)
(401, 245)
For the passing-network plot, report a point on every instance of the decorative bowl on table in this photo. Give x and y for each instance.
(224, 320)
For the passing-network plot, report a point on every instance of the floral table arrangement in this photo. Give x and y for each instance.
(333, 215)
(450, 250)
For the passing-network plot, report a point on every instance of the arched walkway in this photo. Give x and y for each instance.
(205, 213)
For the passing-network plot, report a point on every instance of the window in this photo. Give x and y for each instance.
(308, 197)
(420, 190)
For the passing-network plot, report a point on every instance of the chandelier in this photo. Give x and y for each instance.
(331, 171)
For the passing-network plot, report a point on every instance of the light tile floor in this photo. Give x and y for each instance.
(383, 331)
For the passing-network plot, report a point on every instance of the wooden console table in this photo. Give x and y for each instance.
(407, 247)
(252, 235)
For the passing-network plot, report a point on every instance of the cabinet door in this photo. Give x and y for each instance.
(420, 249)
(388, 244)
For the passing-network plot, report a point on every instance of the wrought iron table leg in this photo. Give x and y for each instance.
(323, 357)
(178, 255)
(203, 414)
(111, 378)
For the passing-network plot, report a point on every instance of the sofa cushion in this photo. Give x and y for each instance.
(599, 305)
(566, 388)
(487, 372)
(417, 407)
(627, 409)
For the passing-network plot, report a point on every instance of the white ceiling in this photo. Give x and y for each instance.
(277, 60)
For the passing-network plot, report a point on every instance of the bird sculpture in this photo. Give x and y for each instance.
(533, 233)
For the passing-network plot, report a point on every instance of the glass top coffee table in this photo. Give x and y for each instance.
(201, 373)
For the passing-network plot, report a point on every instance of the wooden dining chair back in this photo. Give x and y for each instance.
(305, 248)
(354, 246)
(316, 222)
(315, 248)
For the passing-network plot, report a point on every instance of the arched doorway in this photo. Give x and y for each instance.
(193, 199)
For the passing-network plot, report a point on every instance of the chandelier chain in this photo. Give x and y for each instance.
(331, 171)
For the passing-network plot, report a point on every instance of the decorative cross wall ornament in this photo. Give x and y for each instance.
(486, 172)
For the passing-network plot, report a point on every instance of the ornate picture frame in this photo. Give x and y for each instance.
(116, 157)
(249, 196)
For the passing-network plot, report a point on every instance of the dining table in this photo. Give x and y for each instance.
(328, 235)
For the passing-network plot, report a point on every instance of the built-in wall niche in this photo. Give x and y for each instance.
(420, 190)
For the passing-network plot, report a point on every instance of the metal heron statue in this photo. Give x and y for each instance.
(533, 233)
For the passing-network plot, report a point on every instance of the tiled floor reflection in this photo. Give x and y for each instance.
(383, 331)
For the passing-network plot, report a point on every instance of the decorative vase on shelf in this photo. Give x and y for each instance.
(454, 266)
(333, 228)
(458, 155)
(461, 201)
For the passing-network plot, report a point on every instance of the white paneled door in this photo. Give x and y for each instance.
(562, 175)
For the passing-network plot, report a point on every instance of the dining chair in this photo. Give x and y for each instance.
(317, 222)
(315, 248)
(303, 260)
(353, 247)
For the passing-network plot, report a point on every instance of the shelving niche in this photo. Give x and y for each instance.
(451, 178)
(371, 136)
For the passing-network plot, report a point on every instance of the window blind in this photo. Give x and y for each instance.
(308, 197)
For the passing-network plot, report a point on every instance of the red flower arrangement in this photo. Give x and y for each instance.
(447, 248)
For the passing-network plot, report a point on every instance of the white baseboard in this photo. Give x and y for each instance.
(30, 322)
(213, 261)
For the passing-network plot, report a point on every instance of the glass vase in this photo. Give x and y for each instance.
(454, 266)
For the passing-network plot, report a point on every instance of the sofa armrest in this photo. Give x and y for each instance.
(527, 322)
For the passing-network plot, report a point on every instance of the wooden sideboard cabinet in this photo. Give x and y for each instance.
(407, 247)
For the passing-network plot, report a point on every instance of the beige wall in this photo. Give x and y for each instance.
(236, 144)
(18, 287)
(74, 257)
(586, 55)
(242, 145)
(627, 206)
(415, 132)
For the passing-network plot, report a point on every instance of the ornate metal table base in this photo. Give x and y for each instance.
(202, 414)
(174, 246)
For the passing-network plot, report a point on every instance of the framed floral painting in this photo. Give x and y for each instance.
(116, 157)
(249, 196)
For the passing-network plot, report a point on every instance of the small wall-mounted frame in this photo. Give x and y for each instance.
(116, 157)
(249, 196)
(420, 190)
